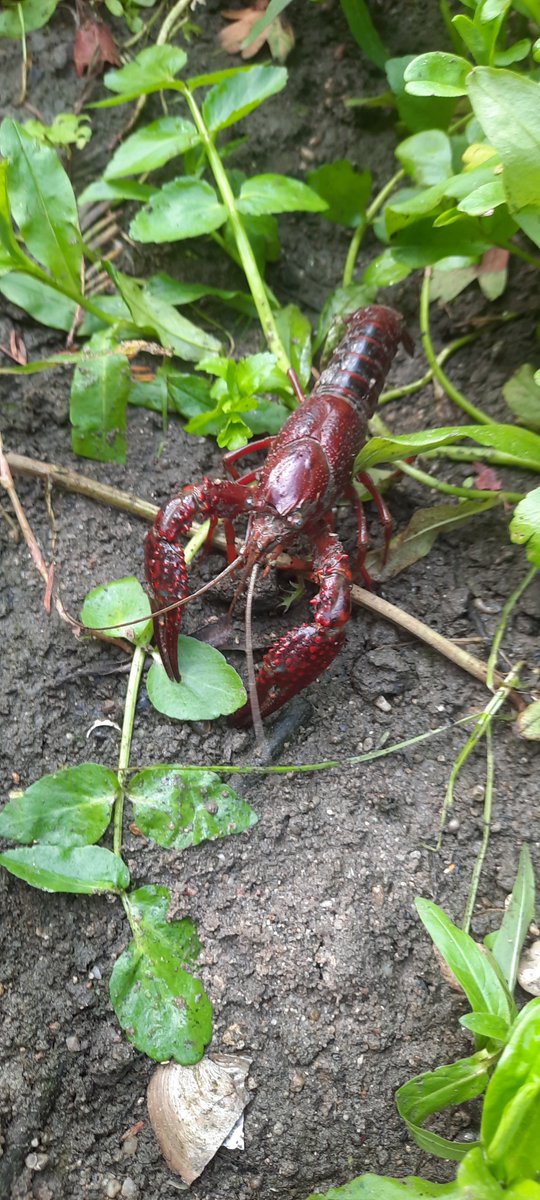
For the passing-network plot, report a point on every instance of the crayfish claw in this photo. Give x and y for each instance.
(166, 573)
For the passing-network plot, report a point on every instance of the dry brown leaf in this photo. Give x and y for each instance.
(94, 46)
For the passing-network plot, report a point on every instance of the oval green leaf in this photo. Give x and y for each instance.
(511, 1113)
(432, 1091)
(474, 968)
(34, 13)
(152, 70)
(69, 808)
(528, 722)
(179, 808)
(522, 445)
(82, 870)
(426, 156)
(210, 687)
(236, 96)
(437, 74)
(98, 402)
(118, 604)
(278, 194)
(525, 525)
(522, 395)
(152, 146)
(508, 108)
(345, 191)
(162, 1008)
(183, 208)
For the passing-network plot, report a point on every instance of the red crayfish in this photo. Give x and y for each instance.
(308, 469)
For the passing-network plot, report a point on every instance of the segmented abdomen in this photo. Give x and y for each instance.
(359, 365)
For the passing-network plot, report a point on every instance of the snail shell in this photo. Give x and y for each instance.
(193, 1109)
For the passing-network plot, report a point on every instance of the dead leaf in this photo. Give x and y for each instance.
(485, 478)
(278, 34)
(94, 46)
(17, 349)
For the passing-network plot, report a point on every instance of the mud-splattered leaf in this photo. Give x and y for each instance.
(522, 395)
(425, 526)
(183, 208)
(118, 604)
(72, 807)
(35, 14)
(475, 969)
(82, 869)
(240, 93)
(210, 687)
(528, 722)
(525, 525)
(152, 146)
(432, 1091)
(179, 808)
(153, 315)
(507, 943)
(42, 203)
(160, 1005)
(98, 404)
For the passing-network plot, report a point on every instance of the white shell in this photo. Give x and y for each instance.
(193, 1110)
(529, 970)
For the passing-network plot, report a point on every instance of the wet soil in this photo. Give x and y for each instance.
(313, 956)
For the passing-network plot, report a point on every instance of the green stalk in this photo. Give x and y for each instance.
(24, 68)
(448, 489)
(486, 830)
(501, 627)
(71, 293)
(452, 392)
(371, 212)
(486, 454)
(249, 264)
(134, 680)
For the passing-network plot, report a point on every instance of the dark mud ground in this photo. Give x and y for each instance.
(313, 956)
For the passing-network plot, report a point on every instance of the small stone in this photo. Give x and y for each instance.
(297, 1082)
(129, 1147)
(129, 1188)
(113, 1187)
(453, 825)
(36, 1162)
(382, 704)
(233, 1037)
(368, 745)
(73, 1044)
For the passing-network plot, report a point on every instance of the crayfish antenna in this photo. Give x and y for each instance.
(261, 745)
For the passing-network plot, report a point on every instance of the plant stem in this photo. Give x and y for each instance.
(251, 270)
(176, 12)
(486, 829)
(452, 392)
(487, 454)
(134, 680)
(24, 67)
(448, 489)
(371, 212)
(519, 253)
(83, 485)
(409, 388)
(501, 627)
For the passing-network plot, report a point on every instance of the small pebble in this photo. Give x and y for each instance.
(36, 1162)
(73, 1044)
(382, 704)
(129, 1147)
(113, 1187)
(297, 1082)
(129, 1188)
(453, 825)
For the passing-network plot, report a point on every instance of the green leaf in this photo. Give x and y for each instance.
(384, 271)
(42, 302)
(82, 870)
(179, 293)
(72, 807)
(125, 189)
(417, 112)
(118, 604)
(295, 332)
(162, 1008)
(35, 14)
(10, 253)
(508, 108)
(511, 1113)
(426, 156)
(98, 404)
(526, 1189)
(524, 445)
(152, 315)
(423, 243)
(507, 944)
(484, 199)
(152, 146)
(437, 74)
(151, 71)
(183, 208)
(379, 1187)
(43, 203)
(423, 529)
(178, 808)
(474, 1179)
(522, 395)
(525, 526)
(210, 687)
(340, 303)
(435, 1090)
(485, 1025)
(363, 30)
(276, 194)
(233, 98)
(473, 967)
(528, 722)
(345, 191)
